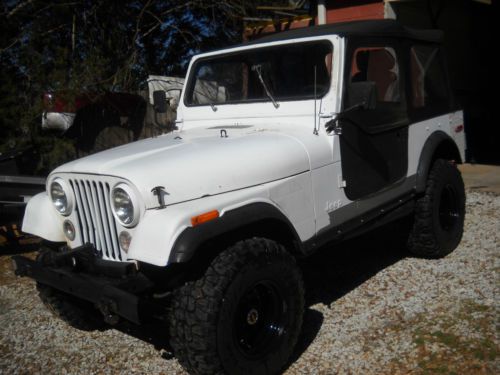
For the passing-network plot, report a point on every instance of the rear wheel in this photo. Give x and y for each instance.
(439, 213)
(244, 315)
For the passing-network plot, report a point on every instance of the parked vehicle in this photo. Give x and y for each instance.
(93, 122)
(62, 107)
(302, 138)
(17, 186)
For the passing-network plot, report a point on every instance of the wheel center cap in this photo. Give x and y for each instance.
(252, 317)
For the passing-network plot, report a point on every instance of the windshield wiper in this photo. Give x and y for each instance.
(258, 69)
(211, 102)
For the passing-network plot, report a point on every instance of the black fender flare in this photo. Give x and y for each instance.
(428, 155)
(189, 241)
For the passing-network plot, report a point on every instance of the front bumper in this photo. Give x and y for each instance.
(113, 287)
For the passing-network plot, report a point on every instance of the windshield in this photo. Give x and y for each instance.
(278, 73)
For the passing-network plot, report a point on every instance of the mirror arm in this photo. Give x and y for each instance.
(355, 107)
(334, 126)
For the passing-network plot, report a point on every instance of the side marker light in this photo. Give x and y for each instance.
(203, 218)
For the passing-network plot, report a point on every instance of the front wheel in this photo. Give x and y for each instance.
(244, 315)
(439, 214)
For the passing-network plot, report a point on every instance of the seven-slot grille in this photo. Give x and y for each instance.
(97, 223)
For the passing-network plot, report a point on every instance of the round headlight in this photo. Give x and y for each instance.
(59, 193)
(124, 208)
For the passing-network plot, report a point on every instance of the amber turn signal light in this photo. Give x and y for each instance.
(203, 218)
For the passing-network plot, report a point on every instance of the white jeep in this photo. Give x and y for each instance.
(282, 145)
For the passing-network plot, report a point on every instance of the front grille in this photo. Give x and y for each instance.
(96, 221)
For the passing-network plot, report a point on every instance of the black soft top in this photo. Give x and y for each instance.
(380, 28)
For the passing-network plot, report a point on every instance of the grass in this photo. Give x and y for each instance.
(442, 349)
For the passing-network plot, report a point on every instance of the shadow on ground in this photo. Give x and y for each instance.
(329, 274)
(338, 269)
(332, 272)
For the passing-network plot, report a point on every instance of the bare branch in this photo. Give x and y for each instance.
(173, 9)
(18, 7)
(183, 32)
(138, 22)
(155, 26)
(12, 44)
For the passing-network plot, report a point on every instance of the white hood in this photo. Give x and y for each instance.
(197, 163)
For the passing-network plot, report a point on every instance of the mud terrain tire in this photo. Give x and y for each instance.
(244, 315)
(439, 214)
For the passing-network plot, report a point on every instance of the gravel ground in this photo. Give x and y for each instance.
(370, 310)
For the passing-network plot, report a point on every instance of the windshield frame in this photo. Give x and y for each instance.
(191, 81)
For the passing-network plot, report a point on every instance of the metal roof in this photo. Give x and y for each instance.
(380, 28)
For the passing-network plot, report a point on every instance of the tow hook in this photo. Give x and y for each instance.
(107, 306)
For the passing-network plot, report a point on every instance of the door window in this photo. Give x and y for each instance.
(376, 70)
(380, 66)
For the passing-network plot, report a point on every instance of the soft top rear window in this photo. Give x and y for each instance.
(285, 72)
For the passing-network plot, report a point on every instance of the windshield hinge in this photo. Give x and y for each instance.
(326, 115)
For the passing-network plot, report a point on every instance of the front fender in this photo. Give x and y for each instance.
(153, 239)
(166, 236)
(191, 238)
(42, 220)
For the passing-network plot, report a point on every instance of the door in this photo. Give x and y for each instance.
(374, 142)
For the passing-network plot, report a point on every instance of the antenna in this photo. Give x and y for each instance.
(315, 131)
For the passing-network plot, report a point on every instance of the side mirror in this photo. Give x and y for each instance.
(363, 94)
(160, 102)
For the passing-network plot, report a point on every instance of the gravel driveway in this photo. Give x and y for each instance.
(370, 310)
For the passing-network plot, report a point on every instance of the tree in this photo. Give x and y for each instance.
(70, 47)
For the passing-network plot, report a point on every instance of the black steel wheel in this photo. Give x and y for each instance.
(260, 319)
(243, 316)
(439, 213)
(449, 210)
